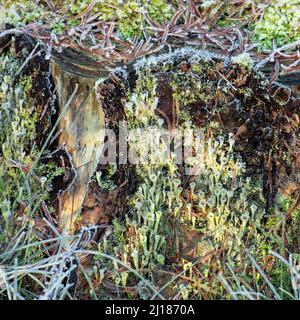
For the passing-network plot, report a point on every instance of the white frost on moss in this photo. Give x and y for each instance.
(189, 54)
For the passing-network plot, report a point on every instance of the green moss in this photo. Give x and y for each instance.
(57, 26)
(105, 178)
(128, 15)
(21, 12)
(279, 25)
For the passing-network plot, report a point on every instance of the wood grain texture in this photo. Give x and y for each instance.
(83, 131)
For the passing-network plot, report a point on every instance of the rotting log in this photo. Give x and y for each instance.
(82, 124)
(82, 135)
(271, 107)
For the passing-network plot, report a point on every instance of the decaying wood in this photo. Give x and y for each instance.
(250, 118)
(82, 137)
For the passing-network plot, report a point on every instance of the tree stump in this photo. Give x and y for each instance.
(82, 135)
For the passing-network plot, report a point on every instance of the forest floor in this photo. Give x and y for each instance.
(149, 150)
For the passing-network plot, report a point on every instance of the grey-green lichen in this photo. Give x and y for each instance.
(244, 60)
(219, 213)
(21, 190)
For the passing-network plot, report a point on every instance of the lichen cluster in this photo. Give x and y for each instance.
(21, 190)
(199, 229)
(203, 226)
